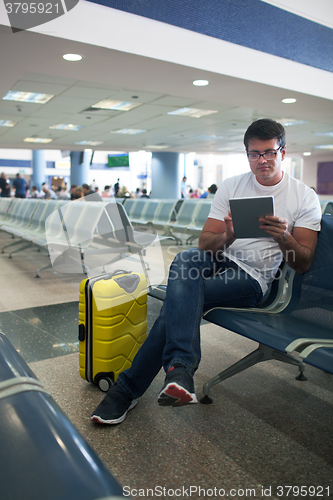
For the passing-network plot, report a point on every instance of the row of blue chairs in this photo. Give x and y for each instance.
(77, 235)
(52, 225)
(326, 207)
(175, 216)
(172, 216)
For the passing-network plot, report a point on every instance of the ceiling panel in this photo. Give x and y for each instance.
(69, 104)
(40, 88)
(87, 93)
(159, 86)
(30, 76)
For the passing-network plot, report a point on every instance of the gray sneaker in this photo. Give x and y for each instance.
(114, 407)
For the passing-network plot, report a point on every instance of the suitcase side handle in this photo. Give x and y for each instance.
(129, 282)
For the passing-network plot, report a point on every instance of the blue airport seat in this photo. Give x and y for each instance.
(305, 319)
(42, 455)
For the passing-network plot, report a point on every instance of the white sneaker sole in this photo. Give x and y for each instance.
(100, 420)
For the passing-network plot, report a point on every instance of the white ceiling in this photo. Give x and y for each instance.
(33, 62)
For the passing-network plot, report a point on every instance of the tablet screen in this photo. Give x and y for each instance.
(245, 213)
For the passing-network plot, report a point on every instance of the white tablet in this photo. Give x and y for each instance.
(245, 213)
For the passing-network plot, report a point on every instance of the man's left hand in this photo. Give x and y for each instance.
(276, 226)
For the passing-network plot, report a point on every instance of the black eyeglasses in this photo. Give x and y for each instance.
(268, 155)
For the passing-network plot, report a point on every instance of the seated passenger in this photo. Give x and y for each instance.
(223, 271)
(34, 192)
(49, 193)
(89, 194)
(210, 193)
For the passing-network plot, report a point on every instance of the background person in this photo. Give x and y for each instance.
(4, 186)
(20, 186)
(49, 193)
(183, 187)
(116, 188)
(210, 192)
(34, 192)
(89, 194)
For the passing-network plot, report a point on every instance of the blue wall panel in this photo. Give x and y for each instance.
(22, 163)
(250, 23)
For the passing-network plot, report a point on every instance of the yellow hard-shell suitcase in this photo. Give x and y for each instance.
(112, 324)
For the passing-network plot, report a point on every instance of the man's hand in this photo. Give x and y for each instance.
(217, 235)
(276, 226)
(297, 248)
(229, 228)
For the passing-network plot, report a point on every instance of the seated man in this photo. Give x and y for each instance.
(223, 271)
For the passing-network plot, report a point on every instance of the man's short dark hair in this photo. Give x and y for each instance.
(86, 186)
(265, 129)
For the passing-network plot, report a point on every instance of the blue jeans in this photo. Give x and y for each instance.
(196, 283)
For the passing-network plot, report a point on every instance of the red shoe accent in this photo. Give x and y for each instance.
(181, 396)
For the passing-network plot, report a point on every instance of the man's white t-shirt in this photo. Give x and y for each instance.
(293, 200)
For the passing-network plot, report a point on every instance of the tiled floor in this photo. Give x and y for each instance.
(264, 429)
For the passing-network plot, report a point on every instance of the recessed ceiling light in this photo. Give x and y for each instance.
(31, 97)
(208, 137)
(7, 123)
(192, 112)
(289, 123)
(65, 126)
(130, 131)
(37, 139)
(325, 146)
(72, 57)
(288, 100)
(88, 143)
(329, 134)
(306, 153)
(157, 146)
(116, 105)
(200, 83)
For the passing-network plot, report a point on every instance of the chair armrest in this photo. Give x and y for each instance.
(307, 342)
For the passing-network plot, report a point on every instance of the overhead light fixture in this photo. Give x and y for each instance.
(307, 153)
(130, 131)
(69, 126)
(72, 57)
(88, 143)
(288, 100)
(116, 105)
(7, 123)
(200, 83)
(157, 146)
(327, 134)
(37, 139)
(31, 97)
(208, 137)
(289, 123)
(192, 112)
(325, 146)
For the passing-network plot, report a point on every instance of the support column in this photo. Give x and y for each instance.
(80, 165)
(38, 168)
(167, 171)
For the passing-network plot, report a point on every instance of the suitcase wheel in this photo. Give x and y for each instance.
(104, 383)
